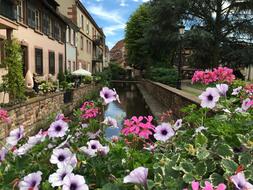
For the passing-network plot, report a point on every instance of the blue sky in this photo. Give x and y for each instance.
(112, 16)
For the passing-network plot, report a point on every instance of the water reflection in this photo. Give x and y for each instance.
(132, 104)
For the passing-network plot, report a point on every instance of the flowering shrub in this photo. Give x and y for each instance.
(219, 75)
(89, 110)
(204, 150)
(140, 126)
(4, 116)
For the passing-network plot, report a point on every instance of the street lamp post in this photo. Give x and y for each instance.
(179, 66)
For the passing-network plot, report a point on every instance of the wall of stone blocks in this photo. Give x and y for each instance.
(172, 98)
(37, 109)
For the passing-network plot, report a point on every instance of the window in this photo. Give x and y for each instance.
(57, 31)
(31, 16)
(51, 63)
(50, 27)
(87, 46)
(60, 63)
(74, 38)
(82, 22)
(88, 28)
(81, 43)
(39, 61)
(46, 23)
(20, 11)
(67, 34)
(69, 66)
(74, 65)
(37, 20)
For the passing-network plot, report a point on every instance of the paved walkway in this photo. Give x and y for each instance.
(155, 107)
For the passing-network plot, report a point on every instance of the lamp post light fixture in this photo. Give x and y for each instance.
(179, 66)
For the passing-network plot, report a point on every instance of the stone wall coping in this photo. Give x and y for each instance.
(33, 100)
(43, 97)
(185, 95)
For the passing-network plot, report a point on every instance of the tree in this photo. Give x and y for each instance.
(216, 28)
(162, 33)
(13, 81)
(224, 22)
(137, 54)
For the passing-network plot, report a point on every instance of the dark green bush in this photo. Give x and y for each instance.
(117, 72)
(163, 75)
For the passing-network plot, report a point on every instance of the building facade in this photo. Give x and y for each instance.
(71, 46)
(118, 54)
(41, 32)
(90, 37)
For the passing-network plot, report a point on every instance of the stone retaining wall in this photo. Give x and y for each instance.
(40, 108)
(172, 98)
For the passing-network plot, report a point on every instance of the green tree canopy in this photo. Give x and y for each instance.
(219, 32)
(137, 54)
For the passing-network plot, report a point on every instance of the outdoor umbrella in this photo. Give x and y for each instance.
(81, 72)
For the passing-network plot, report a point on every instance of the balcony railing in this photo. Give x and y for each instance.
(97, 58)
(97, 40)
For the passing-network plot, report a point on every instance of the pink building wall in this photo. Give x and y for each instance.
(32, 40)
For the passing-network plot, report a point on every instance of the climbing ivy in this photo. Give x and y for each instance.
(13, 81)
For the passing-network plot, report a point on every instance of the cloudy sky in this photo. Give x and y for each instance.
(112, 16)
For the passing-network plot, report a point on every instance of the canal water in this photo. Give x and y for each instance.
(132, 104)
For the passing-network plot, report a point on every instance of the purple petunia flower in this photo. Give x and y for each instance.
(31, 181)
(236, 91)
(59, 116)
(94, 135)
(137, 176)
(15, 136)
(23, 149)
(58, 129)
(104, 150)
(164, 132)
(209, 98)
(39, 137)
(3, 153)
(61, 157)
(111, 122)
(245, 104)
(56, 179)
(240, 182)
(178, 124)
(91, 150)
(222, 88)
(108, 95)
(74, 182)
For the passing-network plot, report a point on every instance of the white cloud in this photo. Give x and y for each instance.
(111, 30)
(111, 16)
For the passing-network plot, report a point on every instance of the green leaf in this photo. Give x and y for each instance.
(211, 165)
(186, 166)
(224, 151)
(200, 140)
(151, 184)
(188, 178)
(200, 169)
(229, 166)
(245, 159)
(110, 186)
(202, 154)
(216, 179)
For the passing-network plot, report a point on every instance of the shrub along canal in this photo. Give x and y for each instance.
(132, 104)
